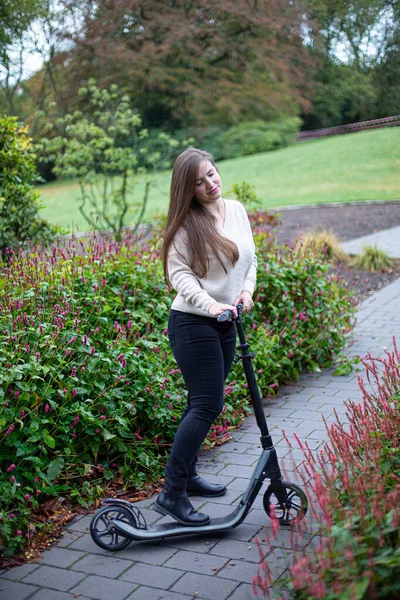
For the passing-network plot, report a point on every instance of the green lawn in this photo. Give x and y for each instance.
(357, 166)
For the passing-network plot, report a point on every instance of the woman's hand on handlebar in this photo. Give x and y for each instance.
(216, 308)
(245, 299)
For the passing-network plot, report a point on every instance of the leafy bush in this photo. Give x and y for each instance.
(372, 259)
(324, 245)
(89, 389)
(100, 148)
(246, 194)
(357, 491)
(259, 136)
(19, 204)
(305, 315)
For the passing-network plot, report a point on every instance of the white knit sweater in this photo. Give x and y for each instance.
(195, 295)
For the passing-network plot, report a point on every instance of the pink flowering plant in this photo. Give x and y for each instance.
(302, 314)
(90, 392)
(355, 485)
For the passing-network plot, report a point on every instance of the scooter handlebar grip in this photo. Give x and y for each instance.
(224, 316)
(228, 314)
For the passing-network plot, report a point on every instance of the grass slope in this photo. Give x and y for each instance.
(357, 166)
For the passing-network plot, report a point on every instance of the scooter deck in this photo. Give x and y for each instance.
(173, 528)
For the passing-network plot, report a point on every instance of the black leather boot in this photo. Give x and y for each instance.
(174, 502)
(197, 486)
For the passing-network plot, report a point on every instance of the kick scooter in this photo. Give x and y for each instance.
(114, 526)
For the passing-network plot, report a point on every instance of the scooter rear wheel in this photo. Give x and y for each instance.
(103, 532)
(292, 510)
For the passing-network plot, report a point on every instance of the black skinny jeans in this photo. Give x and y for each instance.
(204, 350)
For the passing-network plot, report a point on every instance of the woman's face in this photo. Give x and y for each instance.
(208, 183)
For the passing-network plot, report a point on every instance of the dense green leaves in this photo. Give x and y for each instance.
(19, 202)
(100, 147)
(89, 387)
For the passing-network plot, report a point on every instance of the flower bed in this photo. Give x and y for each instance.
(90, 393)
(356, 485)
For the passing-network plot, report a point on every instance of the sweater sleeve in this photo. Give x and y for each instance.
(250, 279)
(182, 278)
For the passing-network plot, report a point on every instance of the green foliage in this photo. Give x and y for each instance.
(100, 147)
(305, 315)
(19, 202)
(259, 136)
(246, 194)
(373, 259)
(343, 95)
(89, 389)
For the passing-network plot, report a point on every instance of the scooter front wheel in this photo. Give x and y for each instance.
(289, 511)
(105, 534)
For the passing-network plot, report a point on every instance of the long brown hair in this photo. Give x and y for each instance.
(200, 225)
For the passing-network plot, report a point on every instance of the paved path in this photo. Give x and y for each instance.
(387, 240)
(218, 567)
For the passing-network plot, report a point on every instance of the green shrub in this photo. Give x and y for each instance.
(89, 390)
(19, 205)
(246, 194)
(304, 313)
(259, 136)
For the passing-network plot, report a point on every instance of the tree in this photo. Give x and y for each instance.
(100, 148)
(364, 28)
(19, 202)
(16, 16)
(199, 62)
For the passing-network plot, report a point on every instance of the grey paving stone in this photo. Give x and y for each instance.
(51, 577)
(235, 458)
(244, 591)
(94, 564)
(235, 549)
(86, 544)
(244, 532)
(204, 586)
(44, 594)
(81, 525)
(150, 575)
(146, 593)
(196, 562)
(238, 470)
(216, 510)
(60, 557)
(251, 438)
(237, 570)
(152, 554)
(288, 539)
(240, 484)
(197, 544)
(239, 447)
(102, 588)
(12, 590)
(257, 517)
(17, 573)
(236, 435)
(204, 469)
(68, 537)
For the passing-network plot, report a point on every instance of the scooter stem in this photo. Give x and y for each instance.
(246, 357)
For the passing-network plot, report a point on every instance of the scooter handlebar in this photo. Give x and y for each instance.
(228, 314)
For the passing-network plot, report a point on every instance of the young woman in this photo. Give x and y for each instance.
(209, 259)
